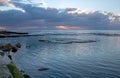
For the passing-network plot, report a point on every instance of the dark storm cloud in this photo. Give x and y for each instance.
(50, 17)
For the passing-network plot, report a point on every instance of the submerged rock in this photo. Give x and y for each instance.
(66, 41)
(28, 46)
(43, 69)
(26, 76)
(104, 34)
(22, 71)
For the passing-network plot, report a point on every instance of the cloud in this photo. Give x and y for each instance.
(6, 3)
(9, 5)
(29, 28)
(44, 4)
(69, 28)
(52, 18)
(2, 28)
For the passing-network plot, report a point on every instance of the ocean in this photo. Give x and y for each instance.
(69, 53)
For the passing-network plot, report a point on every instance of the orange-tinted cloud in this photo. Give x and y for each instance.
(69, 27)
(2, 28)
(7, 3)
(28, 28)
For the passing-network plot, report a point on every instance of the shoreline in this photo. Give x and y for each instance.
(7, 34)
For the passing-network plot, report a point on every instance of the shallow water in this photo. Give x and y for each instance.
(100, 59)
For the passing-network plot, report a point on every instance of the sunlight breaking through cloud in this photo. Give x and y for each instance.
(69, 28)
(27, 13)
(2, 28)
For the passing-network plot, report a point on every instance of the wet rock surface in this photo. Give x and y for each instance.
(4, 71)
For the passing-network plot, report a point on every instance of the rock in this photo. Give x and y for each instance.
(22, 71)
(26, 76)
(14, 70)
(4, 34)
(4, 72)
(67, 41)
(10, 57)
(28, 46)
(11, 32)
(2, 54)
(18, 45)
(43, 69)
(14, 49)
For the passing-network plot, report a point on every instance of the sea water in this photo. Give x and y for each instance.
(100, 59)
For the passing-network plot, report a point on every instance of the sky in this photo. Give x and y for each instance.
(59, 14)
(96, 5)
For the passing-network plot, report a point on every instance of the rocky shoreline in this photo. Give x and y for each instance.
(4, 71)
(4, 34)
(7, 34)
(7, 67)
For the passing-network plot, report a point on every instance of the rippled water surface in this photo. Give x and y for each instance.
(100, 59)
